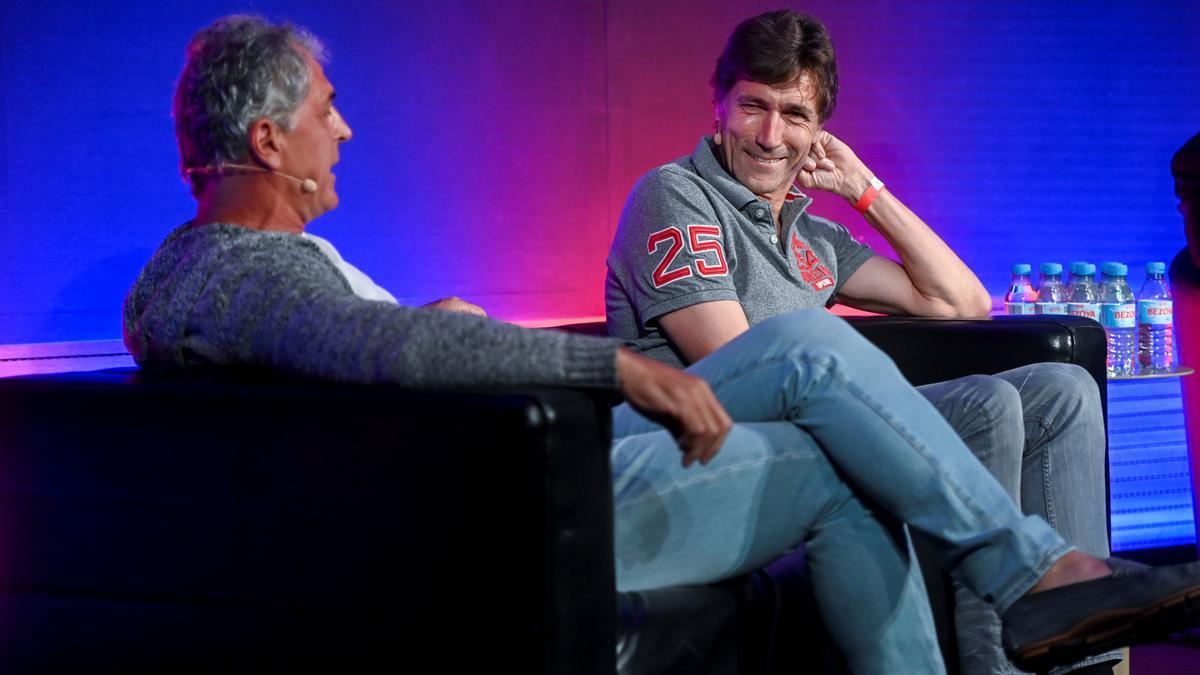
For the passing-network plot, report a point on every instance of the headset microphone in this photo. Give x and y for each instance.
(307, 185)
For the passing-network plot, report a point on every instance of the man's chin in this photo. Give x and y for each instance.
(327, 202)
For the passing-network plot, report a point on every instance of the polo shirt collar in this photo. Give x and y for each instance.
(710, 169)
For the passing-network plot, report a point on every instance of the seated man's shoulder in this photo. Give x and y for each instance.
(667, 195)
(192, 260)
(676, 177)
(220, 246)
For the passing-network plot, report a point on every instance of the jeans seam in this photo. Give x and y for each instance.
(1048, 491)
(1046, 436)
(711, 476)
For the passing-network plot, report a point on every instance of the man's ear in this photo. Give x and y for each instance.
(265, 143)
(718, 116)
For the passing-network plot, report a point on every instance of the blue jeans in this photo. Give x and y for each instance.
(818, 407)
(1039, 430)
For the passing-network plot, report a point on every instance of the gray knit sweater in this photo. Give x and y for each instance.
(228, 295)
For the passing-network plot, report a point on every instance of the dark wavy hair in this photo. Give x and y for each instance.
(774, 48)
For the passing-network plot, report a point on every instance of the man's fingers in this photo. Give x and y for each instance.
(456, 304)
(681, 402)
(714, 422)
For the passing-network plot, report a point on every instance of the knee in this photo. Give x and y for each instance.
(994, 400)
(1071, 383)
(1065, 401)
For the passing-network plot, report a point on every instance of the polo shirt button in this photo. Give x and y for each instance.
(774, 239)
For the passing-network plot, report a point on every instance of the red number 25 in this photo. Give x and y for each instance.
(674, 240)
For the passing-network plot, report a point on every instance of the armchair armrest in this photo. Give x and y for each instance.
(933, 350)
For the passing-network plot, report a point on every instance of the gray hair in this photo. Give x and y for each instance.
(238, 70)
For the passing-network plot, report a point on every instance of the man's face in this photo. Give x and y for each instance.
(766, 131)
(311, 147)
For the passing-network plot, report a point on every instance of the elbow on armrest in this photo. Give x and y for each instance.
(981, 306)
(973, 306)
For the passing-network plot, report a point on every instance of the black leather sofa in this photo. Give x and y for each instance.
(237, 522)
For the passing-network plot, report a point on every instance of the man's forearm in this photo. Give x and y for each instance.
(931, 281)
(944, 285)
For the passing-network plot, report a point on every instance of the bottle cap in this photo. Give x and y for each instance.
(1021, 268)
(1085, 269)
(1156, 268)
(1114, 269)
(1077, 267)
(1053, 269)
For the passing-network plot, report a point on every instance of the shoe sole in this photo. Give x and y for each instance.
(1112, 630)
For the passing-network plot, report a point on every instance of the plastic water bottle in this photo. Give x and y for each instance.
(1021, 296)
(1051, 296)
(1156, 340)
(1117, 316)
(1083, 298)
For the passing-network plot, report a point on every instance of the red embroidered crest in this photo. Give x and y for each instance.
(812, 270)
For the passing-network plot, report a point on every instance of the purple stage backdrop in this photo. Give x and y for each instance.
(494, 142)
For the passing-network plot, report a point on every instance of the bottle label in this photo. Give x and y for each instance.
(1051, 308)
(1090, 310)
(1117, 315)
(1154, 312)
(1018, 308)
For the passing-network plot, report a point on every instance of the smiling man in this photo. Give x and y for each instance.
(717, 242)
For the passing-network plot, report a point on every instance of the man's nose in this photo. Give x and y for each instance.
(770, 132)
(340, 128)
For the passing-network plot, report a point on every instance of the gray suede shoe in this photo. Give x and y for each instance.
(1133, 606)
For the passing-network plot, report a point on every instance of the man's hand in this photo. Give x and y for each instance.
(681, 402)
(930, 281)
(832, 166)
(456, 304)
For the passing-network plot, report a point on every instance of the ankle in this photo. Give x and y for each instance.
(1072, 568)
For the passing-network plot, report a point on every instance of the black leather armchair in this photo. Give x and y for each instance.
(237, 523)
(242, 524)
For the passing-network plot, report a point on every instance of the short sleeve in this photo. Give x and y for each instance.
(671, 250)
(848, 252)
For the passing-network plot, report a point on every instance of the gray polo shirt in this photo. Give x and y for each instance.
(690, 233)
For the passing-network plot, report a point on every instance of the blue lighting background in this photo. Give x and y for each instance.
(495, 142)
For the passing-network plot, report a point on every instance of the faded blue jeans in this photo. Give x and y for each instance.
(1039, 430)
(823, 414)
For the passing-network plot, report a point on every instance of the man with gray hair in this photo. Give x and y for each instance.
(242, 284)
